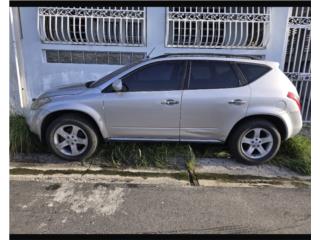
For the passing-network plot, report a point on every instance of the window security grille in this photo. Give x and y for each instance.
(91, 57)
(297, 64)
(218, 27)
(98, 26)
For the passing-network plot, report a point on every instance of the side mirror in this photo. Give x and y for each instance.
(117, 86)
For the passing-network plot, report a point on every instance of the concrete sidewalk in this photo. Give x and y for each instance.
(233, 167)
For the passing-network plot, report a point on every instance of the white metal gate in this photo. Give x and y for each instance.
(297, 65)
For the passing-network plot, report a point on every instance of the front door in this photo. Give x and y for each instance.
(149, 106)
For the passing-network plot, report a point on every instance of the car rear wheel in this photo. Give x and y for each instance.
(72, 137)
(255, 142)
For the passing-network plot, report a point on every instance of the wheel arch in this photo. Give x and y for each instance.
(277, 121)
(56, 114)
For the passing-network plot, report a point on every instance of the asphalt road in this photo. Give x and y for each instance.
(82, 207)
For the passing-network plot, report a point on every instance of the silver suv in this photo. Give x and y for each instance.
(248, 104)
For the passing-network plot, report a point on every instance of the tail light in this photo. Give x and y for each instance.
(295, 98)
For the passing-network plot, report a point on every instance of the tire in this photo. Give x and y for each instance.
(246, 146)
(72, 137)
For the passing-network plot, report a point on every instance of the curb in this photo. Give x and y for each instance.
(205, 169)
(76, 172)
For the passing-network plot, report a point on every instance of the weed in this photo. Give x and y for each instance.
(158, 155)
(211, 150)
(295, 154)
(191, 159)
(21, 138)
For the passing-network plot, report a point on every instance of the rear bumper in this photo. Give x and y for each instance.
(294, 123)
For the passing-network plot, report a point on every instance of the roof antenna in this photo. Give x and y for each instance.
(148, 55)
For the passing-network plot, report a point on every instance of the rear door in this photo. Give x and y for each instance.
(212, 102)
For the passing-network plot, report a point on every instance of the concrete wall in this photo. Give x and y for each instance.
(41, 76)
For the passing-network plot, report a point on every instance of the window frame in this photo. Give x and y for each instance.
(241, 80)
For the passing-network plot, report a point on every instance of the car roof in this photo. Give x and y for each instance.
(218, 57)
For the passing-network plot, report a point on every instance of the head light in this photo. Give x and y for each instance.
(40, 102)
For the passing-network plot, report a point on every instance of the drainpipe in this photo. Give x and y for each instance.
(18, 55)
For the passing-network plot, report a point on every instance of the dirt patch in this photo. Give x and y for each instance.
(102, 200)
(53, 187)
(28, 171)
(306, 131)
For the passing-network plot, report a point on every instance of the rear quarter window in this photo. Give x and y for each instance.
(253, 71)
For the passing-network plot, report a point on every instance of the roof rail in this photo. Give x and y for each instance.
(208, 55)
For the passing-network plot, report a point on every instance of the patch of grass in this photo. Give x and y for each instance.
(295, 154)
(121, 154)
(160, 155)
(211, 150)
(21, 138)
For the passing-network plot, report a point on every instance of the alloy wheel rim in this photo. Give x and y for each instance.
(70, 140)
(256, 143)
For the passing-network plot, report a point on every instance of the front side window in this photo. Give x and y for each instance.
(212, 75)
(161, 76)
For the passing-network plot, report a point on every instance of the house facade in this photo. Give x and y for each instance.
(53, 46)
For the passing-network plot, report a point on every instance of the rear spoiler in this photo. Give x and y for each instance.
(272, 64)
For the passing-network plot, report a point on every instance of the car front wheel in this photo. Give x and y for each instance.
(72, 137)
(255, 142)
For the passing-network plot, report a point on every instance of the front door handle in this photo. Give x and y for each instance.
(169, 102)
(237, 102)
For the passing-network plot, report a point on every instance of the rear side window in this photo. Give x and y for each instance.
(253, 71)
(212, 75)
(161, 76)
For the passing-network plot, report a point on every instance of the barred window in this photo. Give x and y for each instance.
(92, 57)
(218, 27)
(297, 62)
(98, 26)
(298, 52)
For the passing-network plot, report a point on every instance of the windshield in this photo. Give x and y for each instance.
(113, 74)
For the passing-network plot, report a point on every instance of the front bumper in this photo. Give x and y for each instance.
(34, 121)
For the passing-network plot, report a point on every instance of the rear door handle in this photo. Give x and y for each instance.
(237, 102)
(169, 102)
